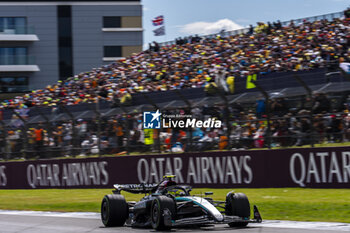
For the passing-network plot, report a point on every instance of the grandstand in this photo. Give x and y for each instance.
(267, 84)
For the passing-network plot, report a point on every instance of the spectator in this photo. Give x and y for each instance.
(279, 106)
(321, 103)
(347, 13)
(251, 30)
(260, 107)
(39, 139)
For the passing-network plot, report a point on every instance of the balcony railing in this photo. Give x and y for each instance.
(13, 88)
(17, 31)
(17, 60)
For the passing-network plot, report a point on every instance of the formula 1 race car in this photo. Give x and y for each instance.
(168, 205)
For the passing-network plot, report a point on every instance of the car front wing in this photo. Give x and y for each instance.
(204, 220)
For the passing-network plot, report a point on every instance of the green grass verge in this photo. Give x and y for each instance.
(283, 204)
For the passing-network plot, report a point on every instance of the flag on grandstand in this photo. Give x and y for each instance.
(345, 66)
(159, 20)
(159, 31)
(250, 81)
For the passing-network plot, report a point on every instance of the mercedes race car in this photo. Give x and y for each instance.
(167, 205)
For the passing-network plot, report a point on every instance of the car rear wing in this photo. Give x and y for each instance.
(135, 188)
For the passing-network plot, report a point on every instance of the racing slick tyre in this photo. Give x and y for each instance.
(237, 204)
(162, 212)
(114, 210)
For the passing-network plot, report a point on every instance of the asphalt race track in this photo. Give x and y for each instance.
(44, 222)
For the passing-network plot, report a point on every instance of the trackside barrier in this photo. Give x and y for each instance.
(308, 167)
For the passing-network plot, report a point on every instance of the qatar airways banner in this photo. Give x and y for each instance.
(311, 168)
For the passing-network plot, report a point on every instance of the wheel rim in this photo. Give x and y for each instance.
(155, 213)
(104, 210)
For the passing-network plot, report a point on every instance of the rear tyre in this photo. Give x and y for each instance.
(237, 204)
(162, 212)
(114, 210)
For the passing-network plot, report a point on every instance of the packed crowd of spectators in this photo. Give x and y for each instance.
(246, 128)
(194, 62)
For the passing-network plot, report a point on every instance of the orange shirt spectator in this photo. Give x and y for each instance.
(39, 134)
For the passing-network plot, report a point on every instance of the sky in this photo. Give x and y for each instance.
(189, 17)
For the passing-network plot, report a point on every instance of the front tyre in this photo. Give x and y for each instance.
(162, 212)
(114, 210)
(237, 204)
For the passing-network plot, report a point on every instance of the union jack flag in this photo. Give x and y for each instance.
(157, 21)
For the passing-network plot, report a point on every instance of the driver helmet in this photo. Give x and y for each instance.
(166, 183)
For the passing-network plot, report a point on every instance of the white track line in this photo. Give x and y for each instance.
(89, 215)
(330, 226)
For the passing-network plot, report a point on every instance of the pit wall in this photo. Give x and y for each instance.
(305, 167)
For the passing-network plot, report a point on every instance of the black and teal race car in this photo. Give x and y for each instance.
(167, 205)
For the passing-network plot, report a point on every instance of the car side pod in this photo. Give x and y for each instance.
(257, 216)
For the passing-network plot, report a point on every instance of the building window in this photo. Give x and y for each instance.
(13, 25)
(112, 51)
(111, 22)
(65, 44)
(13, 56)
(13, 84)
(15, 51)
